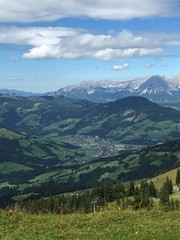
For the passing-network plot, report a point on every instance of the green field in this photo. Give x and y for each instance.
(8, 167)
(110, 224)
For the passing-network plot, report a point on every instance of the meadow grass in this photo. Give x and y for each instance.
(110, 224)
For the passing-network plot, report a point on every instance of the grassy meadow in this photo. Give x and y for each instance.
(110, 224)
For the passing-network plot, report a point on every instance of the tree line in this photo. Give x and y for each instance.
(134, 196)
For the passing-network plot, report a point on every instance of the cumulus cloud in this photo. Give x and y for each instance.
(51, 10)
(69, 43)
(106, 47)
(121, 67)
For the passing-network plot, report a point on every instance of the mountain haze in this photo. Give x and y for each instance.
(18, 93)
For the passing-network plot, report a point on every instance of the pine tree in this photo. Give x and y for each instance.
(145, 195)
(152, 189)
(142, 196)
(51, 204)
(118, 191)
(164, 197)
(178, 176)
(169, 185)
(137, 198)
(131, 188)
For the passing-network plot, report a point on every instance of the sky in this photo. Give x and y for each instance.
(48, 44)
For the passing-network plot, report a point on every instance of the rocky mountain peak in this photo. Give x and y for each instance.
(155, 88)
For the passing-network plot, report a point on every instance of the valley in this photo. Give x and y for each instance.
(51, 145)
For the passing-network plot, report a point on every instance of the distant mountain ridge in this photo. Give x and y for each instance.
(18, 92)
(155, 88)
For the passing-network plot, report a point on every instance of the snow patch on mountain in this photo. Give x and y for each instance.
(156, 88)
(174, 83)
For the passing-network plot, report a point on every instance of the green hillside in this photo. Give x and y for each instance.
(158, 180)
(31, 151)
(133, 120)
(33, 165)
(56, 145)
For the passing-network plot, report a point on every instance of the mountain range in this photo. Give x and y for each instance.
(155, 88)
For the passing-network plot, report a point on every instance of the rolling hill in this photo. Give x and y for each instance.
(51, 145)
(132, 120)
(34, 165)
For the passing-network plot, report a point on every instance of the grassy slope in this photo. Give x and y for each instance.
(160, 179)
(111, 224)
(23, 150)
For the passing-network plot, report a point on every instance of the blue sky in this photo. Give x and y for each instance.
(46, 46)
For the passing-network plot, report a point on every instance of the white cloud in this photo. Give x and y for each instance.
(69, 43)
(51, 10)
(109, 53)
(36, 36)
(121, 67)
